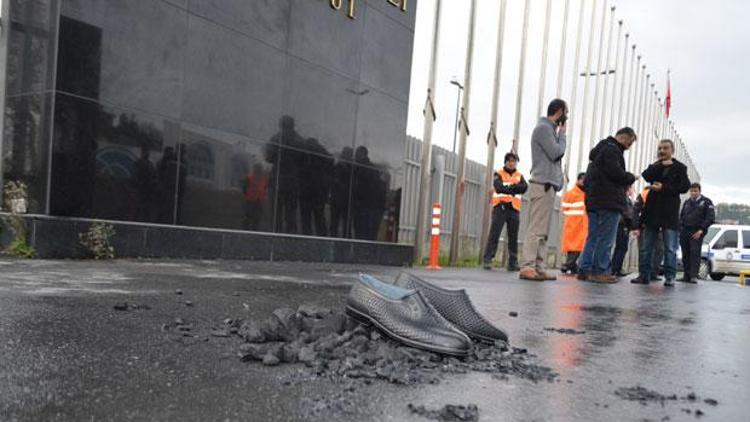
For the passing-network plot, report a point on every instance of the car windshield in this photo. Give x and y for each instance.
(710, 235)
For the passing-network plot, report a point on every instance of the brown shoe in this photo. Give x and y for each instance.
(602, 278)
(530, 274)
(546, 275)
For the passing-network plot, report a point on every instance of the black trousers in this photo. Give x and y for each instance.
(621, 248)
(502, 214)
(571, 261)
(691, 252)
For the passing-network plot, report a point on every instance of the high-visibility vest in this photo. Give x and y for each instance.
(256, 189)
(644, 195)
(576, 225)
(508, 179)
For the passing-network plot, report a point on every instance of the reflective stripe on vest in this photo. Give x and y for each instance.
(508, 179)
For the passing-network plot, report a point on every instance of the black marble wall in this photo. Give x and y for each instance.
(282, 116)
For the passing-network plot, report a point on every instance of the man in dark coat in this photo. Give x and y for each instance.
(605, 182)
(696, 217)
(668, 178)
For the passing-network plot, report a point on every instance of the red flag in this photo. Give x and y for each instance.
(668, 100)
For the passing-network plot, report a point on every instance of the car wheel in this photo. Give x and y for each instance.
(704, 269)
(717, 276)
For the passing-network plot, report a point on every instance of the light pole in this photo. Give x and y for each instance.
(581, 149)
(492, 135)
(521, 66)
(459, 199)
(426, 163)
(574, 89)
(458, 103)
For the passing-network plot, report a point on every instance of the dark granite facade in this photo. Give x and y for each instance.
(276, 116)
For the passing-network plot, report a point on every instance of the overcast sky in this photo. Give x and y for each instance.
(705, 43)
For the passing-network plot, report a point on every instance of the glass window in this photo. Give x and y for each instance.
(746, 239)
(26, 145)
(710, 235)
(226, 181)
(727, 240)
(128, 53)
(112, 163)
(31, 46)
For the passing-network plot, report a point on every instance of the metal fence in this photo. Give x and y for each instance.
(445, 166)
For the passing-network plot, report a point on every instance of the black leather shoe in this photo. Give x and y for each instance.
(405, 316)
(455, 306)
(639, 280)
(513, 267)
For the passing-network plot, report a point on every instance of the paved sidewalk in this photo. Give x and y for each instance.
(67, 354)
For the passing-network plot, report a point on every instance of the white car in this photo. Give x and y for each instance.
(726, 250)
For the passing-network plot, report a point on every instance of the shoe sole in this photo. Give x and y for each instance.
(367, 320)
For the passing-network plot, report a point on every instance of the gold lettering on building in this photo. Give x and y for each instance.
(351, 6)
(336, 5)
(401, 4)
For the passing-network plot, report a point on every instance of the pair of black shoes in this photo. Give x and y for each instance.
(419, 314)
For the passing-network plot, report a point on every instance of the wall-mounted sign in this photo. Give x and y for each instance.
(351, 6)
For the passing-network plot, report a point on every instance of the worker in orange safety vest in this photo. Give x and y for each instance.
(576, 225)
(509, 186)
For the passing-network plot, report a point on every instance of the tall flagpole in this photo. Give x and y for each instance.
(633, 71)
(543, 73)
(631, 117)
(642, 121)
(598, 77)
(639, 148)
(582, 150)
(625, 76)
(492, 135)
(563, 41)
(603, 116)
(459, 204)
(574, 91)
(618, 73)
(521, 64)
(426, 162)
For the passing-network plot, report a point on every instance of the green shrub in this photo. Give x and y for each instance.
(97, 240)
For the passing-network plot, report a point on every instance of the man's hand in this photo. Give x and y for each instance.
(657, 186)
(562, 129)
(697, 235)
(635, 233)
(667, 163)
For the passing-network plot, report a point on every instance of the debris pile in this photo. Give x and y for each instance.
(334, 346)
(448, 413)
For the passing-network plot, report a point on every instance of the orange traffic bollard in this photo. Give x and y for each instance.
(435, 241)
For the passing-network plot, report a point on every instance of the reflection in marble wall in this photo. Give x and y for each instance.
(273, 115)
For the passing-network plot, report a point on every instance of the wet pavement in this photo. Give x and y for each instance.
(621, 352)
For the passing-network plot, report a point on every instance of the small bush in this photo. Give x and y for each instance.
(97, 240)
(21, 249)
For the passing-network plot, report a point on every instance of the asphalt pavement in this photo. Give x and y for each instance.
(88, 340)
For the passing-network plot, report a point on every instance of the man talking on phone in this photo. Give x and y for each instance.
(547, 149)
(668, 178)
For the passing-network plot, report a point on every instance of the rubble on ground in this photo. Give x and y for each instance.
(331, 345)
(448, 413)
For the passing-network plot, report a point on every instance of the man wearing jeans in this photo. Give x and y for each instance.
(547, 149)
(606, 183)
(668, 178)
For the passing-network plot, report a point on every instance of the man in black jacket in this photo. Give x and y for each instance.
(606, 181)
(696, 217)
(508, 185)
(668, 178)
